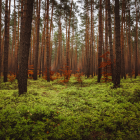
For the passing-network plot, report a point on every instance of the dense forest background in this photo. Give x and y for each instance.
(43, 37)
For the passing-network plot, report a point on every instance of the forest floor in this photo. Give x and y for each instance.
(72, 111)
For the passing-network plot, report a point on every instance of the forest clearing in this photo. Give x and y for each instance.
(70, 111)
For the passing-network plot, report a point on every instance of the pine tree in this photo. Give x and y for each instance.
(110, 40)
(117, 45)
(37, 41)
(100, 41)
(6, 43)
(25, 45)
(47, 43)
(0, 41)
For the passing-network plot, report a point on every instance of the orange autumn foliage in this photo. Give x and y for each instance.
(78, 76)
(51, 75)
(31, 71)
(106, 66)
(66, 73)
(11, 77)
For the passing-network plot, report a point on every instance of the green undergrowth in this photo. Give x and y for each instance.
(71, 111)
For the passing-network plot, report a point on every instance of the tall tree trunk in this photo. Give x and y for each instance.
(110, 40)
(15, 38)
(43, 49)
(2, 48)
(87, 42)
(6, 44)
(21, 31)
(48, 45)
(136, 42)
(45, 52)
(0, 41)
(60, 45)
(106, 37)
(88, 47)
(9, 64)
(34, 37)
(129, 38)
(37, 42)
(117, 45)
(100, 42)
(75, 68)
(51, 31)
(91, 40)
(72, 53)
(25, 45)
(68, 44)
(122, 44)
(13, 43)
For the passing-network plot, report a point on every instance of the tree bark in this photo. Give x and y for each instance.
(129, 38)
(25, 45)
(110, 40)
(0, 42)
(6, 44)
(136, 43)
(37, 42)
(117, 45)
(68, 44)
(122, 45)
(21, 30)
(48, 46)
(100, 42)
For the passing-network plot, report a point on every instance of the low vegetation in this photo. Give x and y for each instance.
(70, 111)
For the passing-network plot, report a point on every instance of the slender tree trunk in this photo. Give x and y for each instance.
(72, 53)
(136, 43)
(15, 38)
(60, 45)
(9, 64)
(75, 57)
(25, 45)
(43, 45)
(106, 38)
(0, 41)
(34, 37)
(129, 61)
(110, 40)
(2, 48)
(86, 50)
(41, 58)
(122, 45)
(117, 45)
(68, 44)
(51, 29)
(48, 46)
(100, 42)
(6, 44)
(13, 43)
(21, 30)
(37, 41)
(91, 41)
(87, 41)
(45, 52)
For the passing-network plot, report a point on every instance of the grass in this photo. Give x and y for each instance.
(72, 111)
